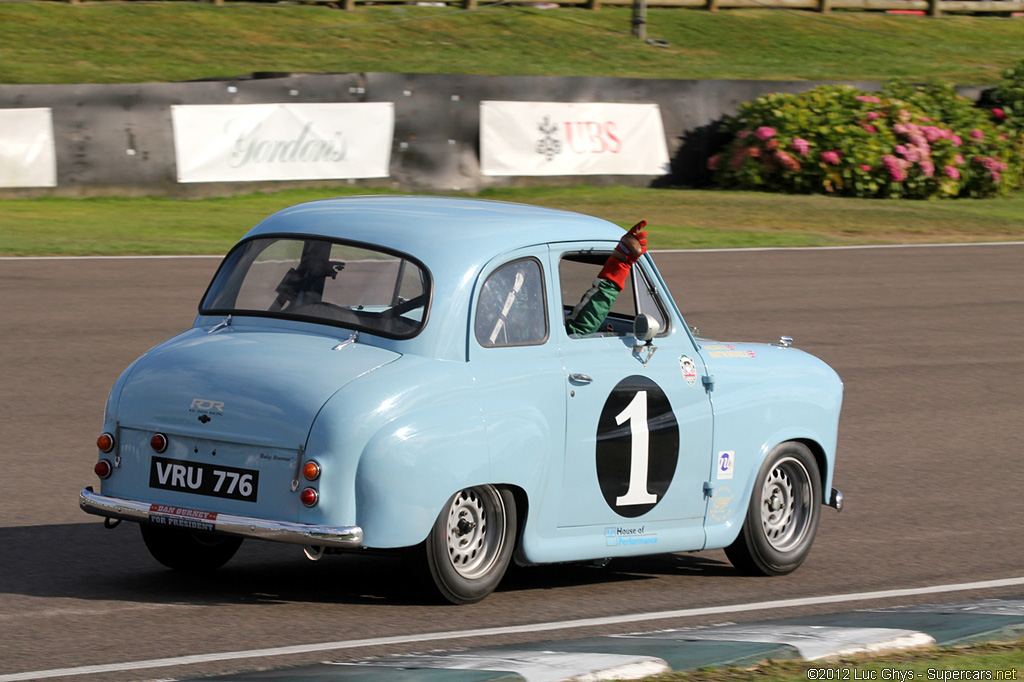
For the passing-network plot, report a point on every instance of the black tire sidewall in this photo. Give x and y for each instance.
(183, 550)
(767, 559)
(454, 587)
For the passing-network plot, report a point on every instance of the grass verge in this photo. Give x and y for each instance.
(677, 218)
(54, 42)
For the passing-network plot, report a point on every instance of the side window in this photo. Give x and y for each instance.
(576, 273)
(511, 309)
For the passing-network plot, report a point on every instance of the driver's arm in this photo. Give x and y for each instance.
(589, 313)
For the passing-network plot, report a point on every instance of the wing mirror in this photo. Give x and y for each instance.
(645, 328)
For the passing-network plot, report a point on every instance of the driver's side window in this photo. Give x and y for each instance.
(577, 272)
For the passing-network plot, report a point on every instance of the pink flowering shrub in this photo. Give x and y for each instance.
(904, 141)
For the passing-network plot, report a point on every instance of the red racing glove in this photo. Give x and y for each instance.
(628, 251)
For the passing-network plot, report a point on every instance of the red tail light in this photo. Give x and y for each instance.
(309, 497)
(158, 442)
(105, 442)
(103, 469)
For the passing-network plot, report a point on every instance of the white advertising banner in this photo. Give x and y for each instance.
(257, 142)
(572, 138)
(28, 156)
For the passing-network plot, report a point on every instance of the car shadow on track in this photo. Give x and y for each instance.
(87, 561)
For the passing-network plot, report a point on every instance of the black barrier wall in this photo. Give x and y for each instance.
(117, 139)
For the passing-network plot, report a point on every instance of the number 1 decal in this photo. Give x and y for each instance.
(636, 414)
(637, 446)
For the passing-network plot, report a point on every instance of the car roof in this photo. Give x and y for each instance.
(439, 231)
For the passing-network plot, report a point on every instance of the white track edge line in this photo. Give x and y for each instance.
(729, 250)
(515, 629)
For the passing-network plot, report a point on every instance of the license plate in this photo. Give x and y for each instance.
(200, 478)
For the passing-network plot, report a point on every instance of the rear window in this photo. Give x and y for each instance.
(316, 280)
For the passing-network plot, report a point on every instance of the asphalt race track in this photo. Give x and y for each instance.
(928, 340)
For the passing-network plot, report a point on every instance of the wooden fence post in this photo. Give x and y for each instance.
(934, 8)
(712, 6)
(593, 4)
(469, 4)
(824, 6)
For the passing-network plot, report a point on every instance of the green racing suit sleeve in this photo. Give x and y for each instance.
(589, 313)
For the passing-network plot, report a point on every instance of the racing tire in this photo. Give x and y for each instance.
(471, 543)
(189, 551)
(782, 517)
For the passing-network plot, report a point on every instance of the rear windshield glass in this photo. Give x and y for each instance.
(315, 280)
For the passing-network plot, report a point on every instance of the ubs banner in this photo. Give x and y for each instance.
(28, 157)
(254, 142)
(571, 138)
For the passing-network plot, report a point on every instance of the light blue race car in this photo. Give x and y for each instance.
(397, 372)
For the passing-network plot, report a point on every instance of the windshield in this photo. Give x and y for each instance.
(316, 280)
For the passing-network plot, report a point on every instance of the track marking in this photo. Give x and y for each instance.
(514, 629)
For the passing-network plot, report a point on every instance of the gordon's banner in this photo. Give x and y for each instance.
(28, 157)
(256, 142)
(571, 138)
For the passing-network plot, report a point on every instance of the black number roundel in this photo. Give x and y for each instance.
(637, 446)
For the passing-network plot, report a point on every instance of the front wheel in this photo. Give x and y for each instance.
(471, 543)
(782, 516)
(187, 550)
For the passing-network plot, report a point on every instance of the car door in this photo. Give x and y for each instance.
(638, 419)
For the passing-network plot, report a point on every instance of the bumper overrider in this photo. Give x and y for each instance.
(350, 537)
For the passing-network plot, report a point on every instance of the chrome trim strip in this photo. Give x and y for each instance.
(246, 526)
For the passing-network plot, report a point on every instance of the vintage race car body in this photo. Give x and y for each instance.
(393, 372)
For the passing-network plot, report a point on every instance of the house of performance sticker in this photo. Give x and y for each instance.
(629, 536)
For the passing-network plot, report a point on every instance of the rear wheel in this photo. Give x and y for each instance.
(187, 550)
(471, 543)
(782, 517)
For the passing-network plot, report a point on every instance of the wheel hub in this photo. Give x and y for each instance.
(473, 544)
(785, 504)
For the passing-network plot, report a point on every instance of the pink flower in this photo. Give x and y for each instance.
(714, 162)
(895, 168)
(931, 133)
(801, 146)
(952, 172)
(901, 150)
(871, 129)
(764, 132)
(998, 114)
(956, 140)
(868, 98)
(866, 168)
(996, 177)
(928, 168)
(771, 145)
(831, 157)
(787, 161)
(977, 134)
(742, 135)
(959, 159)
(900, 129)
(871, 115)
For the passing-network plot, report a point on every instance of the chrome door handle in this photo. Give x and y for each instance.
(577, 378)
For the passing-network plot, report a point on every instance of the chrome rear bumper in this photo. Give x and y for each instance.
(246, 526)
